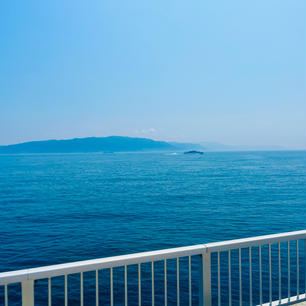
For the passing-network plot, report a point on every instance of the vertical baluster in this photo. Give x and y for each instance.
(49, 292)
(165, 282)
(289, 272)
(139, 284)
(219, 281)
(5, 295)
(178, 281)
(260, 277)
(125, 286)
(111, 287)
(189, 278)
(279, 274)
(270, 275)
(240, 279)
(297, 270)
(82, 290)
(97, 287)
(153, 291)
(250, 276)
(66, 290)
(229, 278)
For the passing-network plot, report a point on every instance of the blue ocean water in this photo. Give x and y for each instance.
(58, 208)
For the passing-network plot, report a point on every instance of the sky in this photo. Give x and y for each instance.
(225, 71)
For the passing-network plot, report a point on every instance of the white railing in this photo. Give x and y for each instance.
(236, 272)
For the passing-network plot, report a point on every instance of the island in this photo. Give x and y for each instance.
(106, 145)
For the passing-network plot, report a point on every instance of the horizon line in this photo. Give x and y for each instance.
(261, 147)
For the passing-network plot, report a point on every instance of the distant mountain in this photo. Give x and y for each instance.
(93, 144)
(121, 144)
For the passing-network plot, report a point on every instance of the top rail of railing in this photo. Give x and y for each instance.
(117, 261)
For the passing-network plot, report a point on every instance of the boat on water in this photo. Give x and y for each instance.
(194, 152)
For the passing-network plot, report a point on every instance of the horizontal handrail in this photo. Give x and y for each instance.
(97, 264)
(255, 241)
(117, 261)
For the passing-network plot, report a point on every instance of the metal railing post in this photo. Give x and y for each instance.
(205, 280)
(27, 293)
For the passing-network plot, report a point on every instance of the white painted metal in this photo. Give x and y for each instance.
(118, 261)
(26, 277)
(66, 290)
(240, 280)
(297, 269)
(98, 264)
(289, 274)
(27, 293)
(250, 276)
(139, 284)
(260, 277)
(254, 241)
(166, 282)
(5, 296)
(153, 291)
(82, 290)
(189, 280)
(125, 286)
(229, 278)
(111, 287)
(279, 273)
(178, 281)
(205, 280)
(49, 292)
(270, 275)
(292, 301)
(219, 281)
(97, 287)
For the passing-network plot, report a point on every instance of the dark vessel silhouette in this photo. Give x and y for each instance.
(194, 152)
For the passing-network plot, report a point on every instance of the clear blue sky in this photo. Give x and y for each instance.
(226, 71)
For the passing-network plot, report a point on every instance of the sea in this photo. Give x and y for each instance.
(58, 208)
